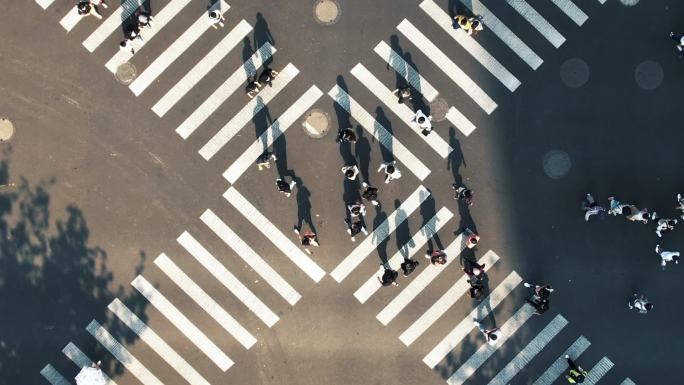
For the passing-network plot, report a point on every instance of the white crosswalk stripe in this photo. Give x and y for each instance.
(413, 77)
(51, 374)
(239, 290)
(182, 323)
(572, 11)
(537, 21)
(598, 371)
(70, 20)
(163, 61)
(247, 113)
(460, 121)
(559, 366)
(160, 20)
(419, 239)
(402, 111)
(208, 304)
(416, 286)
(131, 363)
(45, 3)
(443, 304)
(81, 360)
(454, 337)
(202, 68)
(279, 240)
(278, 128)
(602, 1)
(530, 351)
(157, 344)
(111, 24)
(373, 127)
(250, 257)
(225, 90)
(627, 381)
(454, 72)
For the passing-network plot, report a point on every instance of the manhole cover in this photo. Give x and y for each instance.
(125, 73)
(327, 12)
(574, 73)
(316, 124)
(556, 164)
(439, 109)
(648, 75)
(6, 130)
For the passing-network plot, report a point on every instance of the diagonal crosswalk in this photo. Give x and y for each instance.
(82, 361)
(113, 22)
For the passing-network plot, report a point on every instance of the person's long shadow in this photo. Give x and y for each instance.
(263, 35)
(455, 158)
(386, 147)
(397, 63)
(427, 212)
(417, 100)
(402, 231)
(381, 226)
(262, 121)
(362, 151)
(247, 52)
(343, 121)
(304, 205)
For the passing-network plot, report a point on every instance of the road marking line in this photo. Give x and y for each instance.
(44, 4)
(50, 373)
(380, 133)
(537, 21)
(161, 63)
(460, 121)
(450, 68)
(466, 325)
(160, 20)
(200, 70)
(157, 344)
(182, 323)
(602, 1)
(598, 371)
(505, 34)
(406, 71)
(471, 45)
(70, 20)
(572, 10)
(381, 92)
(204, 257)
(266, 140)
(225, 90)
(559, 366)
(230, 324)
(406, 252)
(416, 286)
(279, 240)
(111, 24)
(486, 350)
(250, 257)
(627, 381)
(530, 351)
(443, 304)
(370, 243)
(120, 353)
(81, 360)
(247, 113)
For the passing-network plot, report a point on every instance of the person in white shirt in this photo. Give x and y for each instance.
(424, 121)
(85, 8)
(216, 19)
(678, 39)
(591, 207)
(680, 204)
(640, 303)
(391, 171)
(664, 225)
(492, 335)
(350, 172)
(356, 209)
(667, 256)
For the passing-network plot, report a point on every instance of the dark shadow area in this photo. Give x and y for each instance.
(397, 64)
(456, 158)
(344, 121)
(378, 222)
(383, 120)
(402, 230)
(428, 211)
(362, 151)
(247, 52)
(417, 100)
(263, 35)
(303, 204)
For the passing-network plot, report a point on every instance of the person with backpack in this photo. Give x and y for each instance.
(267, 76)
(143, 18)
(284, 187)
(350, 172)
(356, 209)
(355, 226)
(389, 277)
(370, 194)
(463, 194)
(437, 257)
(85, 8)
(404, 94)
(575, 373)
(215, 18)
(391, 171)
(476, 290)
(346, 135)
(424, 122)
(640, 304)
(408, 266)
(264, 160)
(306, 238)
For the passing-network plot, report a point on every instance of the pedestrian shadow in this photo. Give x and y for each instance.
(397, 63)
(303, 205)
(386, 148)
(455, 158)
(344, 121)
(427, 212)
(418, 102)
(248, 66)
(402, 230)
(262, 35)
(457, 7)
(381, 227)
(362, 151)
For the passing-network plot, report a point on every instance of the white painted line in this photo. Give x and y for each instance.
(161, 63)
(450, 68)
(380, 133)
(120, 353)
(111, 24)
(49, 372)
(443, 304)
(486, 350)
(559, 366)
(203, 299)
(279, 240)
(572, 11)
(156, 343)
(81, 360)
(466, 325)
(468, 43)
(404, 69)
(200, 70)
(223, 92)
(598, 371)
(416, 286)
(627, 381)
(378, 89)
(247, 113)
(530, 351)
(250, 257)
(44, 4)
(160, 20)
(265, 140)
(70, 20)
(602, 1)
(537, 21)
(406, 252)
(182, 323)
(370, 243)
(493, 24)
(460, 121)
(204, 257)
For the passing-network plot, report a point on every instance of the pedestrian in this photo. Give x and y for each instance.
(252, 88)
(463, 194)
(215, 18)
(664, 225)
(637, 215)
(267, 76)
(471, 25)
(437, 257)
(472, 238)
(680, 204)
(264, 160)
(307, 238)
(615, 207)
(476, 290)
(84, 8)
(408, 266)
(391, 171)
(424, 122)
(540, 291)
(284, 187)
(98, 3)
(591, 207)
(474, 270)
(356, 209)
(540, 305)
(679, 40)
(404, 94)
(346, 135)
(575, 374)
(350, 172)
(355, 226)
(370, 194)
(389, 277)
(144, 18)
(667, 256)
(132, 32)
(640, 303)
(492, 335)
(126, 45)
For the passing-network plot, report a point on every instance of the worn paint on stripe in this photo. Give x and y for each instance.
(443, 304)
(81, 360)
(131, 363)
(278, 128)
(530, 351)
(383, 93)
(44, 4)
(225, 90)
(598, 371)
(572, 11)
(559, 366)
(250, 257)
(413, 77)
(373, 127)
(380, 233)
(182, 323)
(157, 344)
(208, 304)
(239, 290)
(51, 374)
(70, 20)
(460, 121)
(538, 22)
(455, 337)
(112, 23)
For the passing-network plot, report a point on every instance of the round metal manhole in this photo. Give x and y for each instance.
(648, 75)
(556, 164)
(316, 123)
(574, 72)
(126, 73)
(439, 109)
(327, 12)
(6, 130)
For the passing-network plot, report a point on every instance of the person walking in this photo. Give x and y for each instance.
(540, 299)
(85, 8)
(463, 194)
(126, 45)
(575, 374)
(680, 204)
(476, 290)
(493, 335)
(664, 224)
(615, 207)
(408, 266)
(284, 187)
(591, 207)
(474, 270)
(355, 226)
(391, 171)
(667, 256)
(370, 194)
(437, 257)
(640, 303)
(389, 277)
(252, 88)
(637, 215)
(143, 18)
(264, 160)
(471, 238)
(215, 18)
(350, 172)
(679, 39)
(267, 76)
(404, 94)
(306, 238)
(471, 25)
(356, 209)
(424, 122)
(346, 135)
(132, 32)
